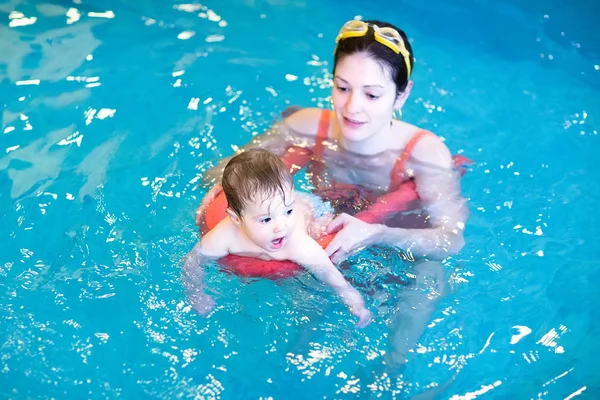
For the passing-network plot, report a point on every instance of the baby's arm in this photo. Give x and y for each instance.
(208, 248)
(312, 257)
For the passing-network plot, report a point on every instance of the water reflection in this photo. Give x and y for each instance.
(102, 159)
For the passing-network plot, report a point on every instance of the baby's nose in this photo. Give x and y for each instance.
(279, 226)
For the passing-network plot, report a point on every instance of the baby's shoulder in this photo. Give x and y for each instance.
(222, 235)
(304, 250)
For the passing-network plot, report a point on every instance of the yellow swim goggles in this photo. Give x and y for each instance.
(388, 37)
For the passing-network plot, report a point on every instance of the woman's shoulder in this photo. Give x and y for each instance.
(305, 121)
(430, 149)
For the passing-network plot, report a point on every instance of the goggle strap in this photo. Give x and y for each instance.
(361, 29)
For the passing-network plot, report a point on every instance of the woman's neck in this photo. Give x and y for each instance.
(374, 144)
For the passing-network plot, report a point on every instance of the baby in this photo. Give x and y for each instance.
(267, 219)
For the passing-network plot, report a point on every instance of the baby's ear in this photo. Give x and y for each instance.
(234, 217)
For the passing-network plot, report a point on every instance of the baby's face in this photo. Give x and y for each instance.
(268, 221)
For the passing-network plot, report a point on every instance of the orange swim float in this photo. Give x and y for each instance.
(295, 158)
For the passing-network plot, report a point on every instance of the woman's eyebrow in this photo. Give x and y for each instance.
(367, 86)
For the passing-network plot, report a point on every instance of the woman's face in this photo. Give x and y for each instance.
(364, 96)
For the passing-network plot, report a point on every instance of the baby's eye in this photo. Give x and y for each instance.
(265, 220)
(289, 212)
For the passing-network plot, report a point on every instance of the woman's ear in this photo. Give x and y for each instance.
(236, 219)
(403, 96)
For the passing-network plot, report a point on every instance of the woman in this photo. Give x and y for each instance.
(359, 151)
(361, 158)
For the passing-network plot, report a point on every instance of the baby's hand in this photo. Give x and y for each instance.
(202, 303)
(364, 317)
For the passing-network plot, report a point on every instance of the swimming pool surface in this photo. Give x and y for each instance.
(112, 111)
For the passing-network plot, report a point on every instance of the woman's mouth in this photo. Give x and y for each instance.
(277, 243)
(352, 123)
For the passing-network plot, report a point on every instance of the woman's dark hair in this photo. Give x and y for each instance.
(384, 55)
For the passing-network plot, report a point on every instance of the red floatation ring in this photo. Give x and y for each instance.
(295, 158)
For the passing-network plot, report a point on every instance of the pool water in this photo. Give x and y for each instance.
(112, 112)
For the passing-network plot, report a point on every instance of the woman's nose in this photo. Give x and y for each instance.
(353, 103)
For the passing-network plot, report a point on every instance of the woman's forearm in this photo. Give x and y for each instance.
(436, 243)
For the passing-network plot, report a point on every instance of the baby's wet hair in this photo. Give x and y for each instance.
(255, 172)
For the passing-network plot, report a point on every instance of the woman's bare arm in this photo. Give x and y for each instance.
(299, 129)
(439, 188)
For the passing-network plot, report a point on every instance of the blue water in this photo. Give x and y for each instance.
(109, 121)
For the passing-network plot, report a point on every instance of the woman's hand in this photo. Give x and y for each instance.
(353, 235)
(208, 198)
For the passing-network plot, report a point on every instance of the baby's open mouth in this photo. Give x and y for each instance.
(277, 243)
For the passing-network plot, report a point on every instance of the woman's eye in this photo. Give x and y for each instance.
(342, 89)
(372, 96)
